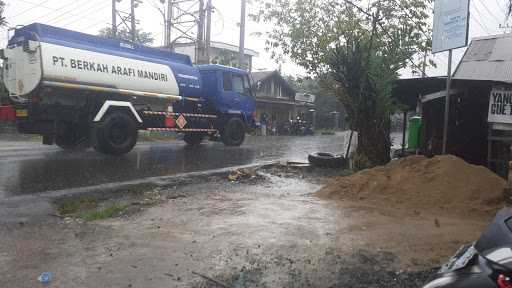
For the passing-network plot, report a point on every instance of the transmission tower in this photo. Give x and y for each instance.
(127, 18)
(188, 21)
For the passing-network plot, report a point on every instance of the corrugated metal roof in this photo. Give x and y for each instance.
(264, 75)
(487, 58)
(258, 76)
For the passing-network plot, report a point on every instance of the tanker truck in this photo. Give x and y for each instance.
(79, 90)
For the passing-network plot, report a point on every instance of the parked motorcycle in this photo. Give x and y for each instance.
(301, 128)
(486, 263)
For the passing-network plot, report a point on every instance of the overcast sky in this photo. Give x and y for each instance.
(91, 15)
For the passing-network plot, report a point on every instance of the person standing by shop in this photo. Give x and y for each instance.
(263, 124)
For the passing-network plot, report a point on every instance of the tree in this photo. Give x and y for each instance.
(3, 21)
(226, 58)
(362, 48)
(144, 38)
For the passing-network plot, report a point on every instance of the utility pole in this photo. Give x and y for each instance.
(132, 14)
(241, 47)
(209, 8)
(114, 19)
(447, 103)
(170, 15)
(200, 34)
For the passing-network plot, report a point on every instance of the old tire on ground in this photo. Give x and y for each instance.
(70, 138)
(327, 160)
(233, 133)
(194, 139)
(116, 134)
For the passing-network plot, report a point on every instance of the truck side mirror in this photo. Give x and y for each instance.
(248, 92)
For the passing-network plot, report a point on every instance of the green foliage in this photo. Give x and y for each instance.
(362, 46)
(74, 205)
(144, 38)
(229, 58)
(3, 21)
(307, 31)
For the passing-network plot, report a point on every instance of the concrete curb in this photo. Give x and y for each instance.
(109, 188)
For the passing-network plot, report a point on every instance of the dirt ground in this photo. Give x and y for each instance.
(265, 231)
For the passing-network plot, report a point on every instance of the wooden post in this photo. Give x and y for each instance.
(404, 128)
(447, 103)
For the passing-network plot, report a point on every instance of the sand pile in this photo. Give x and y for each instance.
(420, 184)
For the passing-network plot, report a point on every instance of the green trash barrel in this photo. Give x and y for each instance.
(414, 133)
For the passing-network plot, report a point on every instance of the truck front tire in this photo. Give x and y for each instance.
(116, 134)
(233, 133)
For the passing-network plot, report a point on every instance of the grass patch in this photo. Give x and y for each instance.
(156, 136)
(104, 213)
(72, 206)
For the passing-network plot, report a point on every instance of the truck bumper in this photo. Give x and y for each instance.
(35, 119)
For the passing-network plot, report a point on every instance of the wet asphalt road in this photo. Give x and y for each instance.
(29, 167)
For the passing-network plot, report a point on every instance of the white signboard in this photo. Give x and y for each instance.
(451, 21)
(305, 97)
(500, 105)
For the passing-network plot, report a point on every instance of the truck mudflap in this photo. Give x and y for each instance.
(179, 122)
(7, 114)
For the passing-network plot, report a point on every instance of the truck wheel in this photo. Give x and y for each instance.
(116, 134)
(193, 139)
(233, 133)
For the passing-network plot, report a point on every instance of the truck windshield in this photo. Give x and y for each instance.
(237, 83)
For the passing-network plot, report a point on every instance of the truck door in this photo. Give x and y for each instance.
(237, 95)
(230, 98)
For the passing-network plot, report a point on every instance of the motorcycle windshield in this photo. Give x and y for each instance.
(495, 243)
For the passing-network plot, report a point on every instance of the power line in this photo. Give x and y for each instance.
(75, 19)
(72, 15)
(503, 9)
(475, 19)
(97, 23)
(477, 11)
(490, 13)
(67, 12)
(43, 16)
(35, 5)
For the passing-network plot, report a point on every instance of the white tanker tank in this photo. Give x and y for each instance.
(41, 55)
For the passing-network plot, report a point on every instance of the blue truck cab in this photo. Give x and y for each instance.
(228, 91)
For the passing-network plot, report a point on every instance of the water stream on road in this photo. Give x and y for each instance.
(33, 170)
